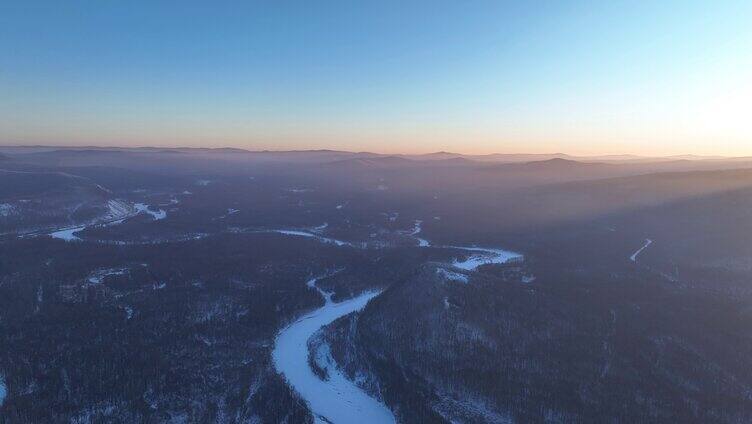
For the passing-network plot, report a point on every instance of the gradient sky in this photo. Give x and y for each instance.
(582, 77)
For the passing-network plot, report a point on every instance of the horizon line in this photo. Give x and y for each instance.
(312, 150)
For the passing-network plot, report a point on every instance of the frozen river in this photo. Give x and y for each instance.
(336, 400)
(476, 256)
(117, 215)
(634, 256)
(3, 391)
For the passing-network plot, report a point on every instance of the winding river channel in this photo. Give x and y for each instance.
(338, 400)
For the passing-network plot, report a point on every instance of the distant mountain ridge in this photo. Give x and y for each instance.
(328, 155)
(439, 155)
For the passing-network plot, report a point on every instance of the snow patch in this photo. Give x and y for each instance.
(451, 275)
(157, 215)
(106, 190)
(117, 209)
(391, 216)
(312, 283)
(6, 209)
(230, 211)
(98, 276)
(323, 357)
(67, 234)
(294, 233)
(417, 228)
(320, 228)
(527, 279)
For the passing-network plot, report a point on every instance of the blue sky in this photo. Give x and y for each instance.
(652, 77)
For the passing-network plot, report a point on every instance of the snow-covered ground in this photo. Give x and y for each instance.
(67, 234)
(118, 209)
(320, 228)
(416, 230)
(97, 276)
(6, 209)
(451, 275)
(336, 400)
(157, 215)
(633, 258)
(390, 216)
(230, 211)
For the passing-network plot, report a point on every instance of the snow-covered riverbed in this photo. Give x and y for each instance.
(3, 391)
(633, 258)
(67, 234)
(477, 255)
(482, 256)
(302, 233)
(336, 400)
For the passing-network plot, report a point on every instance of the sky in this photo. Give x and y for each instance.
(581, 77)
